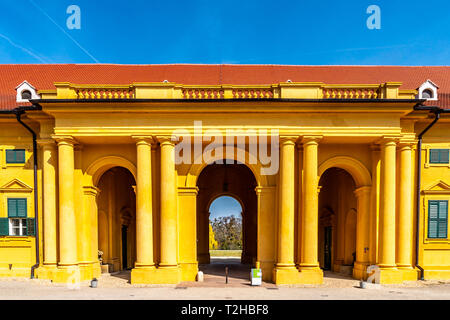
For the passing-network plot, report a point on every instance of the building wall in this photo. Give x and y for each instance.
(434, 255)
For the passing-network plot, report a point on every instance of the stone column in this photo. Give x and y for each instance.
(286, 204)
(90, 195)
(405, 210)
(374, 203)
(67, 222)
(386, 255)
(144, 212)
(309, 219)
(168, 204)
(362, 231)
(49, 162)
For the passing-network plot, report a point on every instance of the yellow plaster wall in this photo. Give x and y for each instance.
(17, 253)
(434, 255)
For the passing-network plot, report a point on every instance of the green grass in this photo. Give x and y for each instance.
(225, 253)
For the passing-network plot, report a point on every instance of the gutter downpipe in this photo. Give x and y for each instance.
(437, 114)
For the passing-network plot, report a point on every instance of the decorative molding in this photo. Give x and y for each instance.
(16, 185)
(438, 187)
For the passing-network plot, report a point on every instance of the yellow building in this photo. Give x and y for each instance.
(336, 168)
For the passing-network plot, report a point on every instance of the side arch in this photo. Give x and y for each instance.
(100, 166)
(355, 168)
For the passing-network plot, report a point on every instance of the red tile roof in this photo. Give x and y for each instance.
(43, 76)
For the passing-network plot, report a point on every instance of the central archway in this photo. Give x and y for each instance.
(237, 181)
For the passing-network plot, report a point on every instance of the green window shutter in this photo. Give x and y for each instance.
(437, 219)
(10, 156)
(444, 156)
(22, 208)
(4, 227)
(12, 208)
(31, 227)
(434, 156)
(443, 219)
(433, 210)
(20, 156)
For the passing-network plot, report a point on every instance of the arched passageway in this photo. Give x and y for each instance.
(117, 219)
(237, 181)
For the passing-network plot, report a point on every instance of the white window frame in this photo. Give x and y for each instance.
(22, 227)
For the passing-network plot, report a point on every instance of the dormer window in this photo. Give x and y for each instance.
(25, 92)
(428, 90)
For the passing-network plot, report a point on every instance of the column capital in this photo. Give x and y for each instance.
(288, 140)
(91, 190)
(146, 140)
(311, 139)
(388, 140)
(260, 189)
(167, 139)
(407, 143)
(46, 142)
(186, 191)
(364, 190)
(65, 140)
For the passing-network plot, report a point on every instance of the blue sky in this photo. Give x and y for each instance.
(247, 32)
(225, 206)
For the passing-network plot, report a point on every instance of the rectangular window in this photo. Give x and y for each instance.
(439, 155)
(15, 156)
(17, 223)
(437, 219)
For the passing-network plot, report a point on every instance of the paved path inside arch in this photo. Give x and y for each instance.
(214, 274)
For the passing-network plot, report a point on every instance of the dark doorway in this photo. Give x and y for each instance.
(124, 247)
(327, 248)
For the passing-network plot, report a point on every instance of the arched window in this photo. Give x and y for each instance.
(26, 95)
(427, 94)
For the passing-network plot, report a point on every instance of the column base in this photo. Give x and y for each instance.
(267, 268)
(67, 274)
(389, 276)
(189, 271)
(292, 275)
(152, 275)
(360, 270)
(46, 271)
(409, 273)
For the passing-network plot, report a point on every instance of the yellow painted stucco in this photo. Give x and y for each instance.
(106, 161)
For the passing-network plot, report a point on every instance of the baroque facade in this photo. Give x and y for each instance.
(336, 168)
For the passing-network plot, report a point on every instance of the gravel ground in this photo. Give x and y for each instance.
(117, 286)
